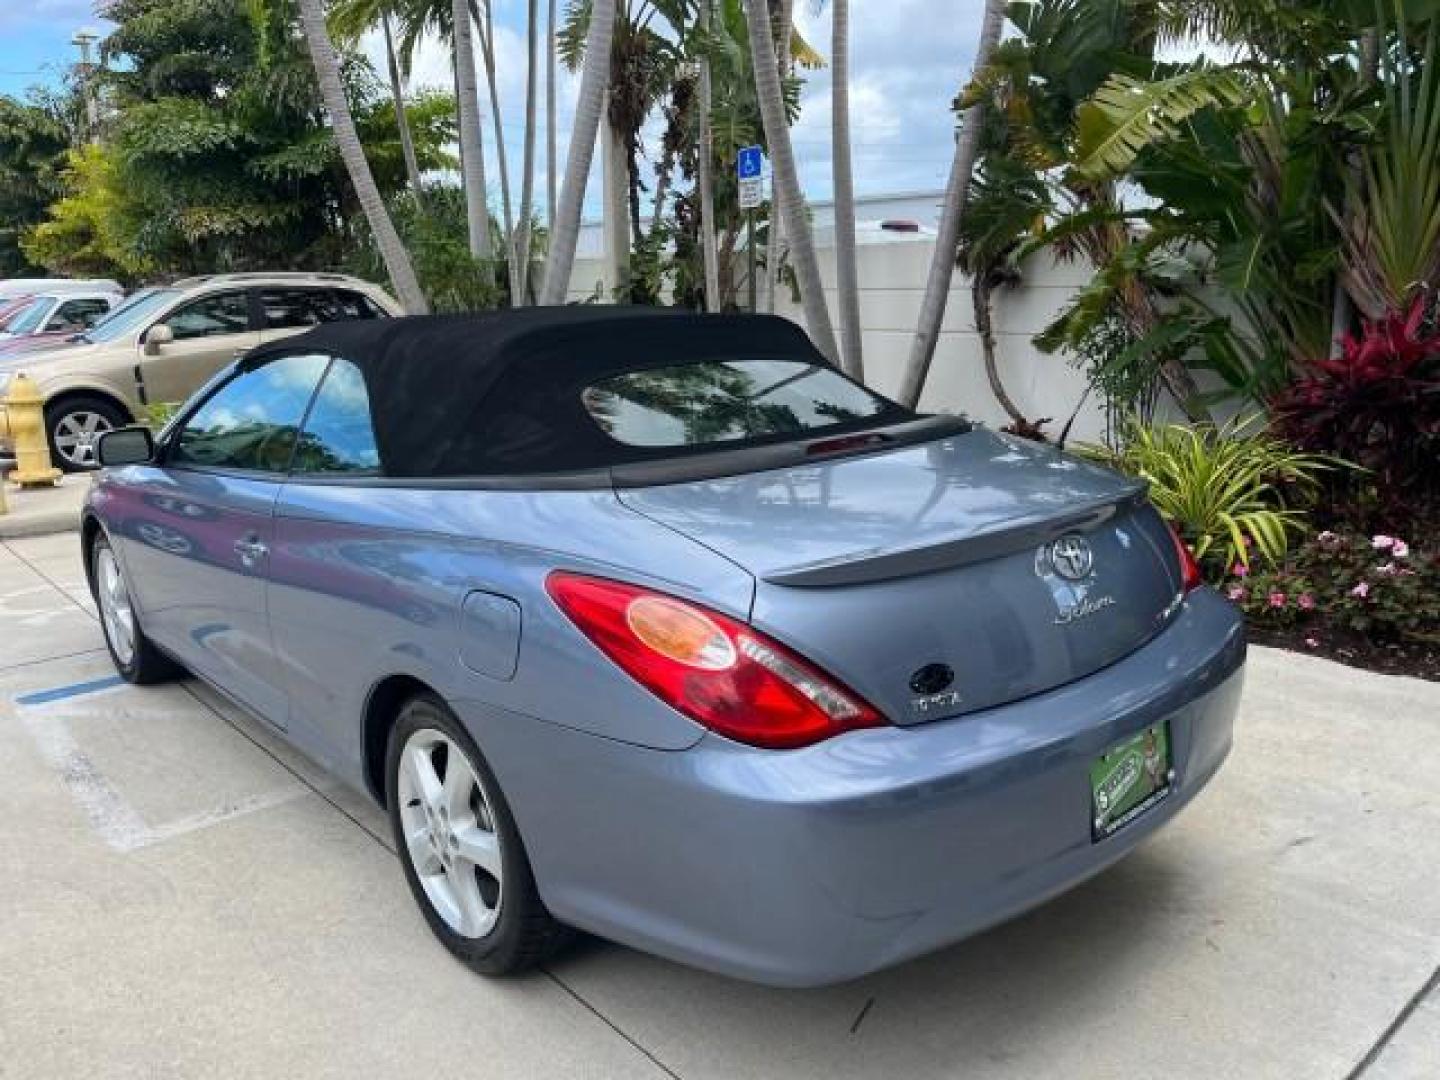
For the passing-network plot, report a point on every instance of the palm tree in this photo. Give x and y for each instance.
(565, 230)
(787, 182)
(520, 286)
(704, 167)
(644, 62)
(472, 152)
(942, 263)
(550, 134)
(485, 27)
(848, 288)
(397, 94)
(332, 91)
(348, 21)
(776, 232)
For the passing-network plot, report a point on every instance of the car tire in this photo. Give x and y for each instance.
(135, 656)
(509, 930)
(71, 425)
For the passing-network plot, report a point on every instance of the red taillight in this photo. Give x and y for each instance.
(714, 669)
(1189, 568)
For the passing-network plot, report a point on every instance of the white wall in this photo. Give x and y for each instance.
(892, 281)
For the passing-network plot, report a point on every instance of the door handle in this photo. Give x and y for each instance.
(250, 550)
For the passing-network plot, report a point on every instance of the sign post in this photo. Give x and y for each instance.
(750, 170)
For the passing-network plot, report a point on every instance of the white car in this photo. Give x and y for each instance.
(55, 314)
(10, 288)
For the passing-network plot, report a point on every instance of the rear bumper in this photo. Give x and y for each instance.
(815, 866)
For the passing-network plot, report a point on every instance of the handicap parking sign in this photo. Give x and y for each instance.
(750, 162)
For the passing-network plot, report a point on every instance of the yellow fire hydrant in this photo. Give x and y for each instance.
(23, 422)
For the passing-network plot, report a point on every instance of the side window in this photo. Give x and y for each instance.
(354, 305)
(77, 314)
(290, 308)
(251, 422)
(222, 313)
(338, 436)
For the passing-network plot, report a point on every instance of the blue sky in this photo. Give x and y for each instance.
(35, 40)
(908, 59)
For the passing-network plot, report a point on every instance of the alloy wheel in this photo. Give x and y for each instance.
(76, 434)
(449, 833)
(115, 610)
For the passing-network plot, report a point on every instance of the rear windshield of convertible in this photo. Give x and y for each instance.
(726, 401)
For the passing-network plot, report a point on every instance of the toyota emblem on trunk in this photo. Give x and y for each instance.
(1071, 557)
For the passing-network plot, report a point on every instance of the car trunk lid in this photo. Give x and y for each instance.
(1002, 564)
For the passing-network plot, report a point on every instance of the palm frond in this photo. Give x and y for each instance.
(1128, 115)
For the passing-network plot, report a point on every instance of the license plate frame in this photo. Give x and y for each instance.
(1130, 779)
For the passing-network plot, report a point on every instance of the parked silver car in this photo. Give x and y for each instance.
(656, 626)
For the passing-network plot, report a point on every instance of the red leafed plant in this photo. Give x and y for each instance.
(1376, 405)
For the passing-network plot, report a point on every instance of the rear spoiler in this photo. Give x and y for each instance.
(1006, 537)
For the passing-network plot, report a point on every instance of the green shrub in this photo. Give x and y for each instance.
(1233, 492)
(158, 414)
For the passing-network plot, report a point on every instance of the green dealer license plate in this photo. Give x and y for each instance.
(1129, 779)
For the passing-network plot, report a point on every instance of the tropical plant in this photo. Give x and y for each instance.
(787, 194)
(434, 233)
(1233, 492)
(327, 72)
(705, 168)
(847, 286)
(565, 230)
(34, 141)
(91, 229)
(1392, 222)
(1376, 404)
(348, 21)
(942, 263)
(1006, 205)
(784, 39)
(472, 151)
(521, 237)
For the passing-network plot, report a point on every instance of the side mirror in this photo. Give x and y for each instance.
(157, 335)
(125, 446)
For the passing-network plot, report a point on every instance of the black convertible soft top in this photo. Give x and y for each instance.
(500, 393)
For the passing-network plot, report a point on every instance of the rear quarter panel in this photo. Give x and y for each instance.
(368, 582)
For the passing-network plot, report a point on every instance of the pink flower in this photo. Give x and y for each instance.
(1388, 570)
(1306, 601)
(1236, 593)
(1327, 538)
(1240, 570)
(1381, 542)
(1361, 591)
(1277, 599)
(1399, 549)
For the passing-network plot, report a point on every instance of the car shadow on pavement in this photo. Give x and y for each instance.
(1055, 967)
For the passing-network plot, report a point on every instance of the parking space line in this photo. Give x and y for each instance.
(60, 693)
(111, 816)
(123, 829)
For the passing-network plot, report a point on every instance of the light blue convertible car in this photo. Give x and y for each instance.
(656, 626)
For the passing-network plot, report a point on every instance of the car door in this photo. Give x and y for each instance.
(334, 582)
(209, 331)
(197, 528)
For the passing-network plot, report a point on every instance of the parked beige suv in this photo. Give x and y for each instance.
(162, 344)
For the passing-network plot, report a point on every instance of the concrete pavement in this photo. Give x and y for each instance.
(183, 896)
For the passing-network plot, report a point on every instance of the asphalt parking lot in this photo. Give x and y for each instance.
(182, 896)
